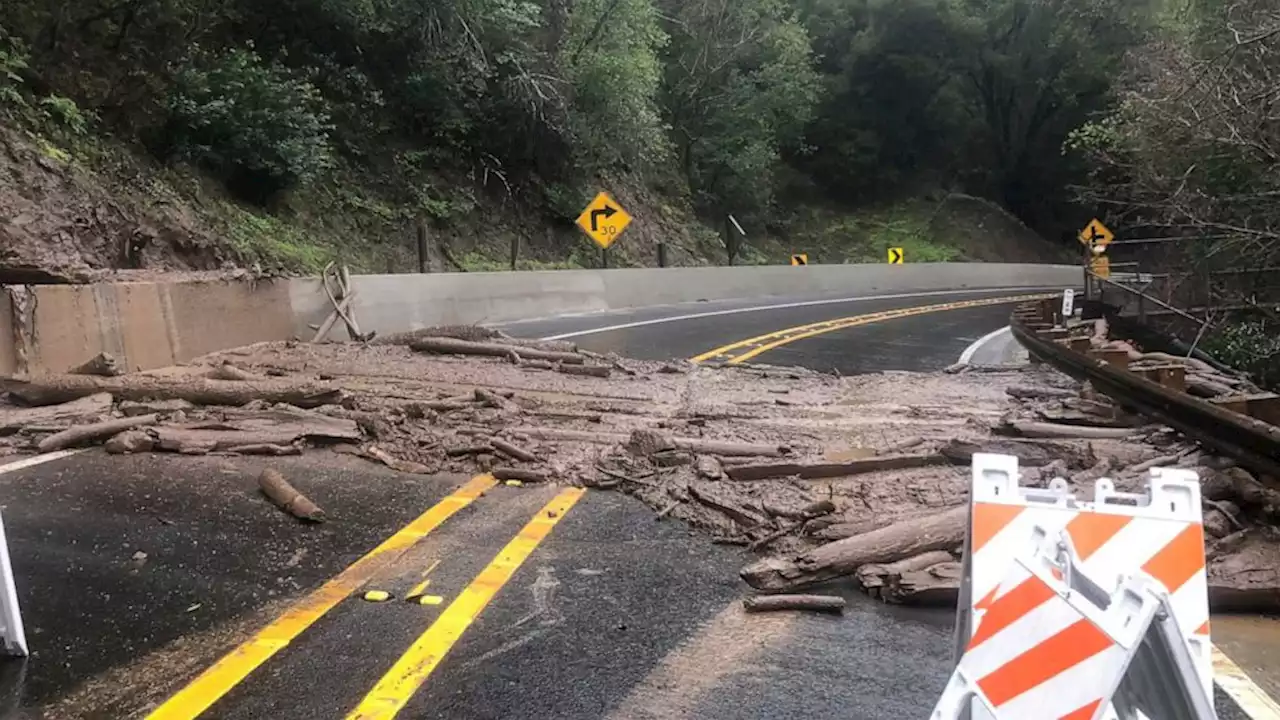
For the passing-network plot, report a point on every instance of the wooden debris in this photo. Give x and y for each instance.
(708, 467)
(450, 346)
(129, 408)
(706, 494)
(373, 452)
(901, 447)
(228, 371)
(529, 476)
(103, 364)
(730, 449)
(1253, 494)
(812, 510)
(598, 371)
(130, 441)
(813, 471)
(1154, 462)
(938, 585)
(843, 557)
(266, 449)
(78, 434)
(513, 451)
(1039, 393)
(773, 603)
(1030, 453)
(90, 406)
(52, 389)
(1051, 430)
(873, 577)
(287, 498)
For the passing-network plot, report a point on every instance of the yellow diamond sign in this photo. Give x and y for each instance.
(604, 220)
(1095, 234)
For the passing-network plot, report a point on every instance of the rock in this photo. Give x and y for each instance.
(709, 467)
(1216, 524)
(649, 442)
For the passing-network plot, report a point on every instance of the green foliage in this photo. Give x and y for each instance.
(1251, 345)
(66, 113)
(14, 60)
(263, 128)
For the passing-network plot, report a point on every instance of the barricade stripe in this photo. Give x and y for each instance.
(1084, 713)
(987, 599)
(989, 519)
(1203, 629)
(1179, 560)
(1013, 605)
(1089, 531)
(1078, 642)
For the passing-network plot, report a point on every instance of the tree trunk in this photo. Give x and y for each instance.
(814, 471)
(450, 346)
(84, 433)
(51, 389)
(94, 405)
(771, 603)
(843, 557)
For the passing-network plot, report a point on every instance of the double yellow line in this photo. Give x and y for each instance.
(744, 350)
(393, 691)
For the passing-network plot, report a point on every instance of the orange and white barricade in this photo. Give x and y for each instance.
(1071, 609)
(13, 639)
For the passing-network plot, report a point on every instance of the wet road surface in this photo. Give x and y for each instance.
(612, 615)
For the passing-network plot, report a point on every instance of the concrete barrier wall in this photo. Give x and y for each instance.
(392, 303)
(153, 324)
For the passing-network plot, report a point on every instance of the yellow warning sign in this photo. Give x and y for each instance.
(1096, 235)
(895, 256)
(800, 259)
(1101, 266)
(604, 220)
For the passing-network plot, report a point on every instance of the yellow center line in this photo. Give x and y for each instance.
(393, 691)
(234, 667)
(744, 350)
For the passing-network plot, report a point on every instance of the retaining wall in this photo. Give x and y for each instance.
(153, 324)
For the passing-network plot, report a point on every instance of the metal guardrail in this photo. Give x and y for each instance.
(1251, 442)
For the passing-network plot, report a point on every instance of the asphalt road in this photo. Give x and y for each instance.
(612, 615)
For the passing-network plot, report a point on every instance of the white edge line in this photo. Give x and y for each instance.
(39, 460)
(969, 352)
(1237, 684)
(784, 306)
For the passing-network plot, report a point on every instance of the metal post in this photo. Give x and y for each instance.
(662, 254)
(423, 265)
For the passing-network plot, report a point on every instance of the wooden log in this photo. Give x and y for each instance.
(843, 557)
(1030, 453)
(1083, 419)
(450, 346)
(934, 586)
(102, 364)
(599, 371)
(287, 498)
(93, 405)
(130, 441)
(842, 530)
(1253, 494)
(540, 433)
(51, 389)
(901, 447)
(1051, 430)
(773, 603)
(873, 576)
(730, 449)
(373, 452)
(1201, 387)
(227, 371)
(77, 434)
(1154, 462)
(812, 510)
(1022, 392)
(266, 449)
(529, 476)
(815, 471)
(736, 511)
(513, 451)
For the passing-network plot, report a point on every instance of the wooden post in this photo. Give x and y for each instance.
(424, 266)
(662, 254)
(515, 251)
(730, 241)
(604, 258)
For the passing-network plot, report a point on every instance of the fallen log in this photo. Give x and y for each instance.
(1154, 462)
(95, 405)
(842, 530)
(373, 452)
(1083, 419)
(51, 389)
(843, 557)
(102, 364)
(816, 471)
(521, 475)
(599, 371)
(266, 449)
(130, 441)
(1253, 494)
(1022, 392)
(1205, 388)
(539, 433)
(812, 510)
(513, 451)
(450, 346)
(773, 603)
(227, 371)
(874, 576)
(1030, 453)
(287, 498)
(899, 448)
(729, 449)
(716, 500)
(933, 586)
(78, 434)
(1050, 430)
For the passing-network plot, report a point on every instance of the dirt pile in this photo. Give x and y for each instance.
(864, 476)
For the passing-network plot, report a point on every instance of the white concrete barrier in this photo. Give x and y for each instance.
(395, 303)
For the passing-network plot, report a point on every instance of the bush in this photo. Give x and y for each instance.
(1250, 345)
(261, 127)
